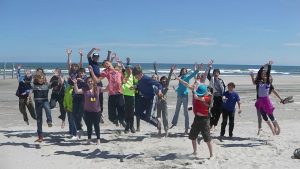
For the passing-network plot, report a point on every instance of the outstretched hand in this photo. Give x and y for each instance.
(80, 52)
(69, 51)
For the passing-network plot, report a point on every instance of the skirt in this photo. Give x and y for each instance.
(264, 104)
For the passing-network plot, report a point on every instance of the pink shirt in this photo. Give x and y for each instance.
(114, 78)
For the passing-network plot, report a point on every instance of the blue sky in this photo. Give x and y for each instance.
(165, 31)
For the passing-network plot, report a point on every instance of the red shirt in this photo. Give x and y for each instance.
(200, 108)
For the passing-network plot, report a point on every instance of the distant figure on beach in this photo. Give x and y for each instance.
(91, 106)
(264, 106)
(230, 98)
(40, 91)
(145, 96)
(202, 102)
(57, 83)
(93, 60)
(182, 97)
(24, 93)
(217, 86)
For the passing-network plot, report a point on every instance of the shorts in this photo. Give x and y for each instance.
(200, 124)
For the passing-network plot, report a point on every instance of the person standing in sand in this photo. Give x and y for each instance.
(91, 106)
(217, 86)
(40, 92)
(182, 98)
(230, 98)
(202, 102)
(24, 93)
(263, 104)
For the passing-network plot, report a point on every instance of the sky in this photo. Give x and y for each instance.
(165, 31)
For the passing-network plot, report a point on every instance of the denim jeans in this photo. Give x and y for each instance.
(182, 100)
(39, 105)
(72, 124)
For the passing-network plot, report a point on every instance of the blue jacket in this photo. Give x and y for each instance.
(145, 86)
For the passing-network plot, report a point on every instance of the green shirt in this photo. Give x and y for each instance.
(128, 87)
(68, 99)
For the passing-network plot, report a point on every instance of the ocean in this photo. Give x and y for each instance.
(163, 68)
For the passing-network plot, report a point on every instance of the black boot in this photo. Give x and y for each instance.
(131, 124)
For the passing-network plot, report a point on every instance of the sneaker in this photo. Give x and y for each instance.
(40, 139)
(172, 126)
(49, 124)
(186, 132)
(74, 138)
(132, 130)
(126, 131)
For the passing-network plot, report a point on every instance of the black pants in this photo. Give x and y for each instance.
(216, 110)
(143, 109)
(129, 111)
(26, 102)
(227, 114)
(56, 97)
(116, 108)
(78, 110)
(92, 119)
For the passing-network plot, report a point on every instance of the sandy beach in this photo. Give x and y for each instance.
(147, 150)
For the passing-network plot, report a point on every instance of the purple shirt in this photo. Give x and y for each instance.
(91, 100)
(263, 89)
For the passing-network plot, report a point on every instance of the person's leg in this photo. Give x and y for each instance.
(112, 112)
(96, 121)
(259, 121)
(205, 132)
(39, 118)
(265, 117)
(231, 123)
(218, 109)
(275, 124)
(224, 122)
(194, 144)
(89, 124)
(165, 116)
(22, 108)
(76, 113)
(176, 114)
(53, 100)
(126, 113)
(30, 108)
(61, 108)
(101, 107)
(185, 101)
(213, 113)
(120, 109)
(138, 108)
(195, 130)
(47, 109)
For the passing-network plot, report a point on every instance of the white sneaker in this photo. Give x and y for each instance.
(74, 138)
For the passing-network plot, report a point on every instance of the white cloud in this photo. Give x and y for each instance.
(292, 44)
(179, 31)
(199, 42)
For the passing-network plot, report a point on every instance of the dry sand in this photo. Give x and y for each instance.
(147, 150)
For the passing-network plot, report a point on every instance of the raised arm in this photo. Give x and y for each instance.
(80, 54)
(155, 68)
(94, 77)
(269, 71)
(89, 55)
(69, 52)
(170, 75)
(76, 90)
(205, 74)
(108, 55)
